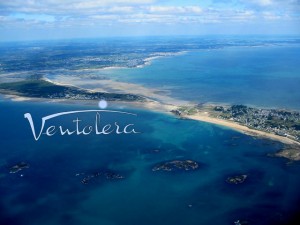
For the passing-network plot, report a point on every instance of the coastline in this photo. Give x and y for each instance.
(205, 117)
(243, 129)
(166, 104)
(158, 101)
(167, 108)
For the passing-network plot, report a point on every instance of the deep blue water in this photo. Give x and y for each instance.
(49, 192)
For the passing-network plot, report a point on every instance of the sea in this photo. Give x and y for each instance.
(255, 71)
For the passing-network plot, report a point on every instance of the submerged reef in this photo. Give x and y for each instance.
(18, 167)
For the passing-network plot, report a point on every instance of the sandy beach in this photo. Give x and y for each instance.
(241, 128)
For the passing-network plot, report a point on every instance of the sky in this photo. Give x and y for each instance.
(64, 19)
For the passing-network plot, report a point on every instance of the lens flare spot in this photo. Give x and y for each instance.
(102, 104)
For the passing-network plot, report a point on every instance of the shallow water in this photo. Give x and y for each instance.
(265, 76)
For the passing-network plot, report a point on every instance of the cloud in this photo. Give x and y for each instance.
(262, 2)
(144, 14)
(270, 16)
(175, 9)
(122, 9)
(64, 6)
(92, 14)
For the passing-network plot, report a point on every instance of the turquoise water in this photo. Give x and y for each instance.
(49, 192)
(266, 76)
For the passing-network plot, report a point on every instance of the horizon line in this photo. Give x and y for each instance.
(151, 36)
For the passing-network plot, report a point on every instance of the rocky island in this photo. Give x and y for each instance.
(108, 175)
(184, 165)
(291, 152)
(239, 179)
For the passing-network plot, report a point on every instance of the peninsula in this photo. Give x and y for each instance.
(41, 88)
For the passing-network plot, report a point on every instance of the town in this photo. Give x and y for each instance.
(277, 121)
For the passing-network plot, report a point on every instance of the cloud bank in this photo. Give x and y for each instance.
(121, 14)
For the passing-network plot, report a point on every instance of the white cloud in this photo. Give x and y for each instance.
(270, 16)
(107, 12)
(175, 9)
(64, 6)
(122, 9)
(262, 2)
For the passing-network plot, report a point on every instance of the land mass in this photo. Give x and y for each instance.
(41, 88)
(274, 121)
